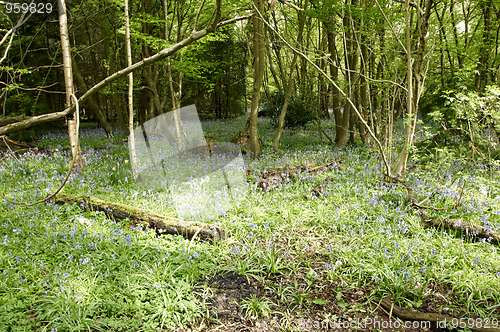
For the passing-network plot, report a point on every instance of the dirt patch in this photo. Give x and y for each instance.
(225, 311)
(351, 313)
(228, 292)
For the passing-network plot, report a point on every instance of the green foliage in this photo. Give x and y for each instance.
(26, 103)
(57, 273)
(216, 80)
(257, 307)
(468, 120)
(299, 112)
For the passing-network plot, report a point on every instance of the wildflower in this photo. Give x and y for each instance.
(476, 260)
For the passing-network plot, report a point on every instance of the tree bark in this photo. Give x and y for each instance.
(68, 80)
(162, 225)
(130, 95)
(414, 80)
(334, 73)
(258, 75)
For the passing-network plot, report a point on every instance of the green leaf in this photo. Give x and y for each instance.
(320, 301)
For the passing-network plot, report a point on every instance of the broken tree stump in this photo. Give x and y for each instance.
(162, 224)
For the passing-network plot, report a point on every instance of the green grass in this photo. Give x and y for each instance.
(58, 274)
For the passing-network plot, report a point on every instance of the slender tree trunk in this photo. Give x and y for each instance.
(68, 82)
(414, 81)
(334, 73)
(351, 62)
(258, 75)
(485, 47)
(133, 155)
(176, 95)
(363, 89)
(110, 56)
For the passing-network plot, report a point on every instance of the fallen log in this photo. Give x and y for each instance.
(12, 119)
(410, 315)
(273, 178)
(319, 189)
(162, 224)
(470, 229)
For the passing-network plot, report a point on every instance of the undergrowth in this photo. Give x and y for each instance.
(58, 274)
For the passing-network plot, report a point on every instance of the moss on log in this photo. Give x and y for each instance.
(410, 315)
(470, 229)
(162, 224)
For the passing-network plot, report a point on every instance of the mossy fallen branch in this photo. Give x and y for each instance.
(410, 315)
(273, 178)
(162, 224)
(470, 229)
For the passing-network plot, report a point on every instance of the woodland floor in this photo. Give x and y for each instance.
(291, 261)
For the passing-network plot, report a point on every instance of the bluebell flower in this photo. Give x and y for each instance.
(476, 260)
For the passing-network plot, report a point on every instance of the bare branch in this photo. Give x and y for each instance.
(20, 22)
(234, 20)
(288, 3)
(198, 15)
(390, 26)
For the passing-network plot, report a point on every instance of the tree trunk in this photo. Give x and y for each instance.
(115, 101)
(131, 141)
(414, 80)
(73, 123)
(485, 47)
(334, 73)
(363, 89)
(258, 75)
